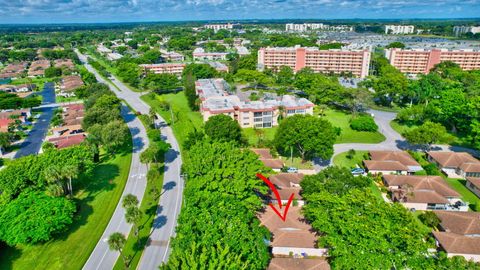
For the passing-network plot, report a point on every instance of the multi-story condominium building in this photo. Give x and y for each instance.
(303, 27)
(356, 62)
(458, 30)
(399, 29)
(172, 56)
(199, 54)
(416, 61)
(217, 27)
(215, 99)
(170, 68)
(220, 67)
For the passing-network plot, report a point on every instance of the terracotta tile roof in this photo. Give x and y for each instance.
(286, 179)
(418, 183)
(38, 67)
(470, 167)
(294, 232)
(419, 196)
(378, 165)
(457, 243)
(460, 222)
(68, 63)
(67, 141)
(76, 107)
(286, 192)
(4, 123)
(298, 264)
(272, 163)
(263, 152)
(400, 156)
(70, 83)
(452, 159)
(475, 181)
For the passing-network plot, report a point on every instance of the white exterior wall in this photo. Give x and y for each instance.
(416, 206)
(468, 257)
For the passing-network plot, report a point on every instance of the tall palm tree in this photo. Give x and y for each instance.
(116, 241)
(134, 216)
(70, 172)
(54, 175)
(129, 201)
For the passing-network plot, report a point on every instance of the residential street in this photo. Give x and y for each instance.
(170, 202)
(33, 143)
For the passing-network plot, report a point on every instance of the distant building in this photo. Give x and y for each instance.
(37, 68)
(415, 61)
(399, 29)
(216, 27)
(356, 62)
(304, 27)
(168, 68)
(220, 67)
(459, 30)
(242, 50)
(172, 56)
(64, 63)
(215, 99)
(114, 56)
(199, 54)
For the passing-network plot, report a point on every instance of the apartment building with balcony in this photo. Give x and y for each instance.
(169, 68)
(216, 99)
(415, 61)
(399, 29)
(199, 54)
(356, 62)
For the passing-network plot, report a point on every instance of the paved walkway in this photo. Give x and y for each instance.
(32, 144)
(158, 249)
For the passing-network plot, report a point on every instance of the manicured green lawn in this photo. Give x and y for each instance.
(467, 195)
(341, 159)
(96, 199)
(348, 135)
(134, 247)
(39, 82)
(376, 191)
(401, 128)
(297, 163)
(185, 120)
(253, 135)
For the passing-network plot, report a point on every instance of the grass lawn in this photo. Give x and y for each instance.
(348, 135)
(297, 163)
(96, 199)
(341, 159)
(185, 120)
(400, 128)
(465, 193)
(376, 191)
(253, 135)
(39, 82)
(134, 247)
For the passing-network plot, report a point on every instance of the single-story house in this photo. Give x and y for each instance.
(263, 152)
(5, 123)
(397, 156)
(473, 183)
(456, 164)
(465, 223)
(22, 114)
(298, 264)
(424, 193)
(67, 141)
(67, 130)
(385, 167)
(287, 183)
(275, 164)
(459, 245)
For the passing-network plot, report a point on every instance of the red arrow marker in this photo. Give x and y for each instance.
(279, 200)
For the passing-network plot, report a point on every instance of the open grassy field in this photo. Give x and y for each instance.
(348, 135)
(341, 159)
(184, 119)
(96, 199)
(253, 135)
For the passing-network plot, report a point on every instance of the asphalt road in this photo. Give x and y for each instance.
(32, 144)
(157, 250)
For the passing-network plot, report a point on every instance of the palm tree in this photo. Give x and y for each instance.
(129, 201)
(116, 241)
(54, 174)
(134, 216)
(69, 172)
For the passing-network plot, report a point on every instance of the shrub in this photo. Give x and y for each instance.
(363, 123)
(430, 219)
(431, 169)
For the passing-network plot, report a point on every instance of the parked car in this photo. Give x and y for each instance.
(357, 171)
(292, 170)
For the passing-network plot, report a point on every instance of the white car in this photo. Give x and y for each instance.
(292, 170)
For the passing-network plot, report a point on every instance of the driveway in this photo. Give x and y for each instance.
(158, 247)
(32, 144)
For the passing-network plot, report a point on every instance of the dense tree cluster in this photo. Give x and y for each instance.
(363, 123)
(306, 136)
(223, 128)
(217, 225)
(12, 101)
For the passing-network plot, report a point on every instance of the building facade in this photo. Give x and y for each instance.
(169, 68)
(399, 29)
(458, 30)
(415, 61)
(199, 54)
(216, 27)
(356, 62)
(215, 99)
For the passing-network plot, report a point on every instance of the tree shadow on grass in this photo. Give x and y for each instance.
(8, 255)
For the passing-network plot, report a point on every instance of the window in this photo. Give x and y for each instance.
(290, 111)
(301, 111)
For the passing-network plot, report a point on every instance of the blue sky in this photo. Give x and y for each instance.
(60, 11)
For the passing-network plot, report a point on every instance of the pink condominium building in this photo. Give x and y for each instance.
(215, 99)
(416, 61)
(356, 62)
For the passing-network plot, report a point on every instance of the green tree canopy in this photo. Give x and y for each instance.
(223, 128)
